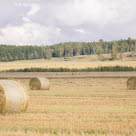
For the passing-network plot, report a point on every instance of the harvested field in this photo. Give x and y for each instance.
(76, 107)
(78, 62)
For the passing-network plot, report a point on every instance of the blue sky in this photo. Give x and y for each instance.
(45, 22)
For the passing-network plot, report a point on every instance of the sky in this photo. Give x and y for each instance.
(47, 22)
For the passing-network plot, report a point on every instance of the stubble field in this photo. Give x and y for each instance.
(79, 62)
(76, 107)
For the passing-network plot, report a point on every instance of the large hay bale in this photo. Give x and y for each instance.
(39, 83)
(13, 97)
(131, 83)
(24, 83)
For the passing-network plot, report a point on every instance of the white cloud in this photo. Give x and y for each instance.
(100, 12)
(51, 21)
(26, 19)
(80, 30)
(29, 33)
(34, 9)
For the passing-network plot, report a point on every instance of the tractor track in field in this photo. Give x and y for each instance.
(27, 75)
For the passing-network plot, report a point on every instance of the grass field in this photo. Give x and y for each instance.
(76, 107)
(79, 62)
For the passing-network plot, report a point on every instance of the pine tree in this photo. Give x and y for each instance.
(114, 51)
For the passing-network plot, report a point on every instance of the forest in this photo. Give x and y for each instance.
(69, 49)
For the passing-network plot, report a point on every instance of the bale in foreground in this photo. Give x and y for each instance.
(13, 97)
(40, 83)
(131, 83)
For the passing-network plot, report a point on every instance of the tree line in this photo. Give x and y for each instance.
(69, 49)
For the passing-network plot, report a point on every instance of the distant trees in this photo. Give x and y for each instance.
(114, 51)
(99, 51)
(122, 49)
(13, 53)
(47, 53)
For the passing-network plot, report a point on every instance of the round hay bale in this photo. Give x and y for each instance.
(39, 83)
(13, 97)
(24, 83)
(131, 83)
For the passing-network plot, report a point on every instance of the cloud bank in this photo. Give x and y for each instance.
(38, 22)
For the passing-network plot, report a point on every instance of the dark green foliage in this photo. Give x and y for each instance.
(13, 53)
(96, 132)
(98, 69)
(114, 51)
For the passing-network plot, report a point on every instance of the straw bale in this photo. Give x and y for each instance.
(131, 83)
(39, 83)
(13, 97)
